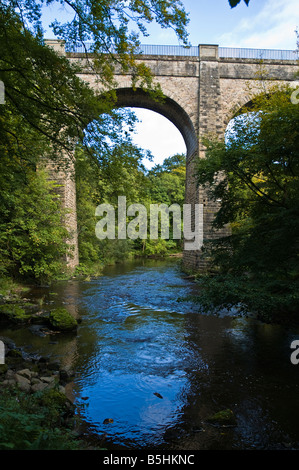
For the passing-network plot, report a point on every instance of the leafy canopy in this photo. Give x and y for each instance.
(48, 108)
(234, 3)
(43, 89)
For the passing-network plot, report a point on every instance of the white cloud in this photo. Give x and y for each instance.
(157, 134)
(272, 28)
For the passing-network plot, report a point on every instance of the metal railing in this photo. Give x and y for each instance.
(146, 49)
(179, 51)
(243, 53)
(193, 51)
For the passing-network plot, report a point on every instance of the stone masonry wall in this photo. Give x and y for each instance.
(203, 94)
(66, 190)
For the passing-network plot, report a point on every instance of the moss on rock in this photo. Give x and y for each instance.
(56, 401)
(223, 418)
(14, 313)
(3, 369)
(61, 319)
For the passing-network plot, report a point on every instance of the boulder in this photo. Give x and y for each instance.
(25, 373)
(23, 383)
(39, 386)
(62, 320)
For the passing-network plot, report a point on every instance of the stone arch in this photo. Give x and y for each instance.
(240, 107)
(238, 98)
(127, 97)
(244, 104)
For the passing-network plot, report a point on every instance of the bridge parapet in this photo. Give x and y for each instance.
(196, 51)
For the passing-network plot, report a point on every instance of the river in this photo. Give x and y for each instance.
(150, 369)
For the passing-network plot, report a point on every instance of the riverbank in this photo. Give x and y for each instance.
(36, 407)
(35, 410)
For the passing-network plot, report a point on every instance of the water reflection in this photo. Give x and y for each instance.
(142, 354)
(159, 369)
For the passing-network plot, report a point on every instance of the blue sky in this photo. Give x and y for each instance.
(264, 24)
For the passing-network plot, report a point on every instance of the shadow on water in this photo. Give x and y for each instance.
(150, 370)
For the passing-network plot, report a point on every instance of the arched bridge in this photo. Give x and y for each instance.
(204, 86)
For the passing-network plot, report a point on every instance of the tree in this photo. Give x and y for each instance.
(257, 265)
(48, 107)
(33, 239)
(42, 89)
(118, 172)
(167, 181)
(234, 3)
(121, 173)
(165, 185)
(106, 24)
(42, 93)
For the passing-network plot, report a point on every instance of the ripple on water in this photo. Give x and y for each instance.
(157, 367)
(137, 375)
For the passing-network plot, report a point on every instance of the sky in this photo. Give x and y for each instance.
(264, 24)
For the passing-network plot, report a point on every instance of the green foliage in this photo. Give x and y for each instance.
(14, 313)
(43, 93)
(167, 186)
(273, 300)
(158, 247)
(108, 24)
(33, 238)
(113, 28)
(47, 105)
(10, 288)
(33, 422)
(47, 109)
(167, 181)
(234, 3)
(255, 174)
(119, 172)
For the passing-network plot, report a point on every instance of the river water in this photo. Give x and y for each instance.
(158, 369)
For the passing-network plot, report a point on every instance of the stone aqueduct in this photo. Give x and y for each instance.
(204, 88)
